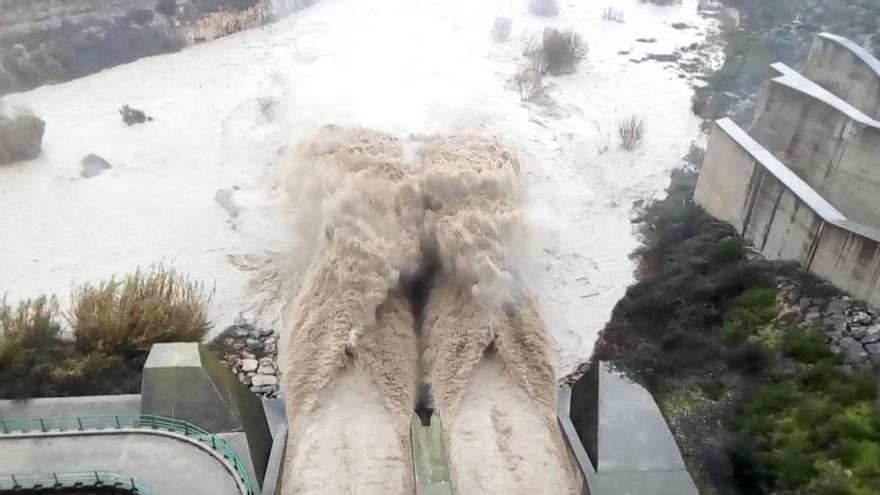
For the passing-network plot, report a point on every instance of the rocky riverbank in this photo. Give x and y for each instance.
(252, 355)
(850, 327)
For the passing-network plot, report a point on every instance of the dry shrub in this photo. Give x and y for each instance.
(501, 29)
(266, 105)
(631, 131)
(611, 14)
(32, 325)
(528, 83)
(559, 53)
(544, 8)
(123, 317)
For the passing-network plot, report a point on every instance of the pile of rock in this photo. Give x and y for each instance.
(252, 355)
(851, 328)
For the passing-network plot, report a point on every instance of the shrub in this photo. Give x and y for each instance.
(726, 251)
(124, 317)
(544, 8)
(501, 29)
(166, 7)
(140, 17)
(631, 132)
(266, 105)
(559, 53)
(132, 116)
(611, 14)
(528, 83)
(32, 325)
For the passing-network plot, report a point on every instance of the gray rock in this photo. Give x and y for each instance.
(873, 348)
(875, 360)
(248, 365)
(266, 370)
(860, 317)
(93, 165)
(853, 352)
(252, 343)
(21, 134)
(270, 348)
(267, 332)
(246, 380)
(838, 322)
(264, 381)
(846, 368)
(872, 334)
(223, 197)
(804, 303)
(857, 332)
(834, 349)
(834, 336)
(837, 307)
(270, 340)
(812, 315)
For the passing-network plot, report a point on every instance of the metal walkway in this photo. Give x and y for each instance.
(166, 455)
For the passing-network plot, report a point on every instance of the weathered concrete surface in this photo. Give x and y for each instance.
(164, 464)
(847, 70)
(185, 381)
(634, 451)
(827, 142)
(54, 407)
(745, 185)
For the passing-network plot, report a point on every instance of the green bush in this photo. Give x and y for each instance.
(127, 316)
(31, 325)
(727, 251)
(132, 116)
(36, 361)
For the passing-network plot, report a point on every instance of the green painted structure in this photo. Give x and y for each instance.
(430, 463)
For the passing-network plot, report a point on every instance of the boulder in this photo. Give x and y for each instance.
(872, 334)
(264, 381)
(248, 365)
(93, 165)
(21, 135)
(853, 352)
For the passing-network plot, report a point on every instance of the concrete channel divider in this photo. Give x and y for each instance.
(430, 462)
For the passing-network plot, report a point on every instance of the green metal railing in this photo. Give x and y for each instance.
(92, 423)
(85, 479)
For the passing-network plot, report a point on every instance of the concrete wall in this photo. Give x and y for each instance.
(830, 144)
(744, 184)
(847, 70)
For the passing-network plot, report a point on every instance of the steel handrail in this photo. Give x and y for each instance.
(73, 479)
(116, 422)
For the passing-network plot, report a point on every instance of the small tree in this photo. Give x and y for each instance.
(166, 7)
(611, 14)
(631, 131)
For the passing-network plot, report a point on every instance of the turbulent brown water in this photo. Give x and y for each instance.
(369, 326)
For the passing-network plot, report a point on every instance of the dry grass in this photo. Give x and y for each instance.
(156, 305)
(631, 131)
(501, 29)
(33, 324)
(543, 8)
(611, 14)
(528, 83)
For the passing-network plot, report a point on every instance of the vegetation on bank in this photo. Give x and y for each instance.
(758, 403)
(113, 325)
